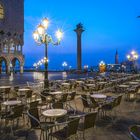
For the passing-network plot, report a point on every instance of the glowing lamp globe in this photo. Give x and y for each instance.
(35, 35)
(133, 52)
(59, 34)
(41, 29)
(128, 56)
(45, 23)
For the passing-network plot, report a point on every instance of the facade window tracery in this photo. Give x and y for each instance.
(1, 12)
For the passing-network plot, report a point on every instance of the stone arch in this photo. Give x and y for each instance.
(14, 61)
(6, 63)
(2, 11)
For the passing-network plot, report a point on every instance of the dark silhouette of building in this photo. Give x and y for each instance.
(116, 58)
(11, 34)
(79, 30)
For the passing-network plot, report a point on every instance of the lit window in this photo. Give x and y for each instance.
(1, 12)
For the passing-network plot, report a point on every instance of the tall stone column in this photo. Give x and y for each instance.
(79, 30)
(116, 58)
(0, 68)
(21, 49)
(8, 68)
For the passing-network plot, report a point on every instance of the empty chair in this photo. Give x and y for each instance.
(16, 113)
(135, 132)
(29, 95)
(36, 124)
(57, 105)
(86, 104)
(89, 122)
(33, 104)
(67, 132)
(71, 98)
(16, 88)
(95, 104)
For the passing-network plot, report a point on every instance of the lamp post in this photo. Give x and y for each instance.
(64, 64)
(132, 57)
(41, 36)
(102, 67)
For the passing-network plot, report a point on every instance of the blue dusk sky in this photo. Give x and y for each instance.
(108, 24)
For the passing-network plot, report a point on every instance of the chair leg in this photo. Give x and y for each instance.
(83, 135)
(41, 134)
(75, 105)
(11, 130)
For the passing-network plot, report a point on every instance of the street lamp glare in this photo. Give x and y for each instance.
(133, 52)
(136, 56)
(45, 23)
(40, 29)
(128, 56)
(35, 35)
(59, 34)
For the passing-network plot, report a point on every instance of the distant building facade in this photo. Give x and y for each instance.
(11, 33)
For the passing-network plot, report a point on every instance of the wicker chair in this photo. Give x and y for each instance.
(67, 132)
(36, 124)
(89, 122)
(135, 132)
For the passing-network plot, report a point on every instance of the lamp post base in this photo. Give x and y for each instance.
(46, 84)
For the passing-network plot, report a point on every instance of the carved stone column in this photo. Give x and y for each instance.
(8, 71)
(21, 68)
(79, 29)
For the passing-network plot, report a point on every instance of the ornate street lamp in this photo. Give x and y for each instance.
(64, 64)
(102, 67)
(132, 57)
(41, 36)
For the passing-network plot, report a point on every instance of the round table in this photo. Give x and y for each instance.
(65, 84)
(90, 85)
(56, 93)
(5, 87)
(80, 82)
(98, 96)
(123, 86)
(134, 83)
(102, 82)
(23, 89)
(11, 103)
(90, 80)
(54, 113)
(22, 92)
(137, 80)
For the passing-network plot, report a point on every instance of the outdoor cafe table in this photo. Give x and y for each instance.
(123, 86)
(82, 78)
(102, 82)
(22, 92)
(56, 93)
(134, 83)
(80, 82)
(65, 84)
(91, 80)
(137, 80)
(4, 87)
(54, 113)
(98, 96)
(90, 85)
(11, 103)
(23, 89)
